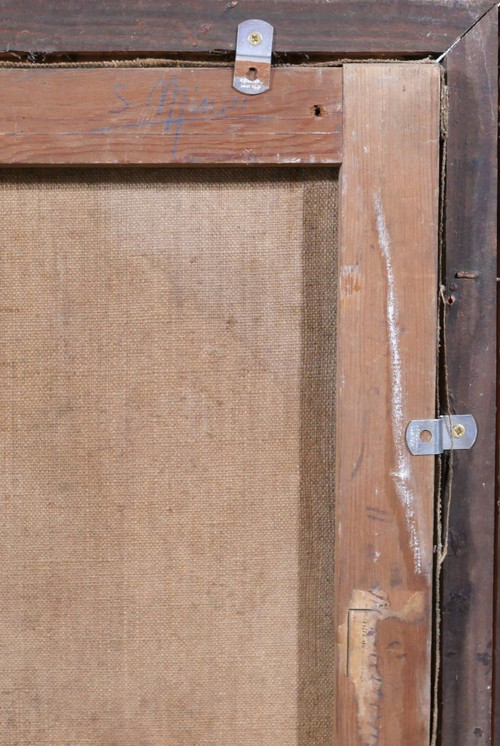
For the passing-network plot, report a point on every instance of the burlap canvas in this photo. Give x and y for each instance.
(167, 381)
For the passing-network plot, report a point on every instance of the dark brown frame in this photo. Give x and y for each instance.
(463, 35)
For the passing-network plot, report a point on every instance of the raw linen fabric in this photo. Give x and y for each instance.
(167, 384)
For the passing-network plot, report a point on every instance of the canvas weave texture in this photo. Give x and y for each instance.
(167, 457)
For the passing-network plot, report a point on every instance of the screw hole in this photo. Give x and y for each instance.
(425, 436)
(252, 73)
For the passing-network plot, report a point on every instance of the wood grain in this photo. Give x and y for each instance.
(155, 116)
(201, 26)
(467, 583)
(386, 377)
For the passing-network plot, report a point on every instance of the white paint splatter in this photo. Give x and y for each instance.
(401, 474)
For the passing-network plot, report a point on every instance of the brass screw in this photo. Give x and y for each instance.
(255, 38)
(458, 431)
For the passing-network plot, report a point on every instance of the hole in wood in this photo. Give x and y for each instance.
(317, 110)
(252, 73)
(425, 436)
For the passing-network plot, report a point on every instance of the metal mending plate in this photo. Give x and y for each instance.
(455, 432)
(252, 67)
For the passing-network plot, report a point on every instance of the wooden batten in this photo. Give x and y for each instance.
(386, 377)
(168, 116)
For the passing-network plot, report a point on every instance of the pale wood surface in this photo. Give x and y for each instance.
(386, 377)
(168, 115)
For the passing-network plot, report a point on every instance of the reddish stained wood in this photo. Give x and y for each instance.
(386, 377)
(201, 26)
(169, 115)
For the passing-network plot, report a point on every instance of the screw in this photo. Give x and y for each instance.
(254, 38)
(458, 431)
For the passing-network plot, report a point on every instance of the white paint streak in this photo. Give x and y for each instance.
(402, 473)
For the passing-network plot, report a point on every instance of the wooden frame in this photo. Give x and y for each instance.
(463, 35)
(386, 372)
(168, 116)
(407, 27)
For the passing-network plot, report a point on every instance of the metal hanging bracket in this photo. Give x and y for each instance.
(252, 68)
(449, 432)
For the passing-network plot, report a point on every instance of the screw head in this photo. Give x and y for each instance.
(254, 38)
(458, 430)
